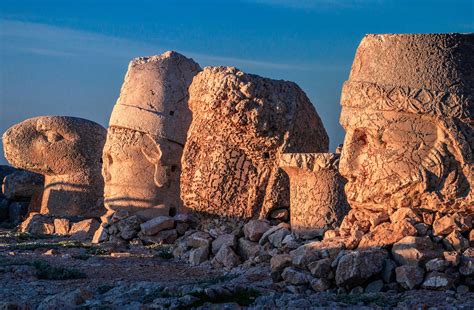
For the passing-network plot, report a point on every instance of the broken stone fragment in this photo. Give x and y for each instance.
(356, 267)
(405, 214)
(157, 224)
(61, 226)
(22, 185)
(415, 250)
(437, 281)
(280, 262)
(409, 276)
(67, 151)
(248, 249)
(254, 229)
(276, 239)
(167, 236)
(227, 257)
(436, 264)
(224, 240)
(241, 124)
(387, 234)
(321, 268)
(199, 239)
(199, 255)
(320, 285)
(84, 230)
(38, 224)
(295, 277)
(455, 242)
(317, 198)
(272, 230)
(451, 222)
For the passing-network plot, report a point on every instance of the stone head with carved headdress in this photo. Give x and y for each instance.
(408, 109)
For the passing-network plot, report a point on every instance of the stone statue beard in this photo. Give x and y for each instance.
(378, 190)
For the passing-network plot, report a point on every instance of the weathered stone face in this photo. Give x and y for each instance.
(407, 111)
(66, 150)
(147, 131)
(317, 198)
(241, 124)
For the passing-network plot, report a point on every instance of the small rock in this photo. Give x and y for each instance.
(296, 277)
(409, 276)
(422, 229)
(320, 285)
(462, 289)
(199, 255)
(224, 240)
(266, 234)
(84, 230)
(248, 249)
(355, 267)
(199, 239)
(280, 262)
(61, 226)
(357, 290)
(167, 236)
(452, 222)
(387, 234)
(156, 225)
(129, 227)
(276, 239)
(436, 264)
(455, 242)
(280, 214)
(437, 281)
(415, 250)
(38, 224)
(255, 229)
(227, 257)
(454, 258)
(321, 268)
(181, 228)
(374, 287)
(405, 214)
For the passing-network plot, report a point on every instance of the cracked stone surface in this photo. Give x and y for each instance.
(241, 125)
(146, 135)
(317, 194)
(67, 151)
(407, 110)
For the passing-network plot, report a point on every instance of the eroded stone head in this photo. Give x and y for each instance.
(67, 151)
(241, 124)
(407, 109)
(146, 135)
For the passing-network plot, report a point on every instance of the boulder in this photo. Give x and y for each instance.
(61, 226)
(321, 268)
(229, 240)
(356, 267)
(437, 281)
(436, 264)
(409, 276)
(84, 230)
(387, 234)
(241, 124)
(255, 229)
(248, 249)
(37, 224)
(227, 257)
(22, 185)
(451, 222)
(455, 242)
(199, 255)
(415, 250)
(320, 285)
(295, 276)
(199, 239)
(276, 239)
(156, 225)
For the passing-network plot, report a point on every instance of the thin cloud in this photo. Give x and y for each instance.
(45, 40)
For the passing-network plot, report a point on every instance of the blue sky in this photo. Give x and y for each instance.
(69, 57)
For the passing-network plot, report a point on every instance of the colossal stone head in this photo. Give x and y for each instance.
(408, 109)
(67, 151)
(146, 135)
(241, 125)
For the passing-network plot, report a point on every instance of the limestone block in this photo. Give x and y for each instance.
(146, 135)
(317, 198)
(67, 151)
(407, 110)
(84, 230)
(22, 185)
(241, 125)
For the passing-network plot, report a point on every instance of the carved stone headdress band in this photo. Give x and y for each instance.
(146, 121)
(378, 97)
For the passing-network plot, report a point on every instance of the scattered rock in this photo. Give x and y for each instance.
(405, 214)
(409, 276)
(156, 225)
(415, 250)
(224, 240)
(356, 267)
(199, 255)
(276, 239)
(227, 257)
(387, 234)
(296, 277)
(84, 230)
(455, 242)
(436, 264)
(437, 281)
(248, 249)
(452, 222)
(320, 285)
(255, 229)
(374, 287)
(321, 268)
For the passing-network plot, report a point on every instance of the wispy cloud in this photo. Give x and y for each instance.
(52, 41)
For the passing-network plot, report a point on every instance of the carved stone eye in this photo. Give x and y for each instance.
(53, 136)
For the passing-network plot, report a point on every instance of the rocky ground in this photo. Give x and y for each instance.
(52, 272)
